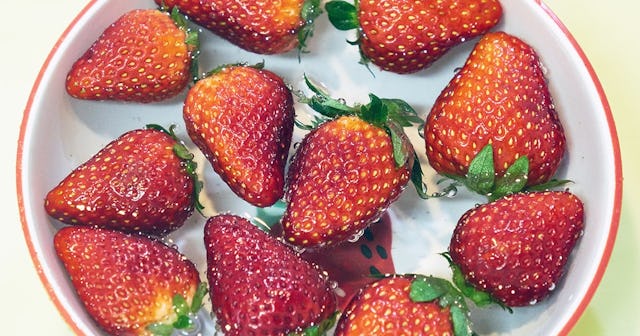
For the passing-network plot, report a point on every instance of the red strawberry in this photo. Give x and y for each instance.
(144, 56)
(406, 305)
(347, 171)
(263, 27)
(242, 119)
(407, 36)
(143, 181)
(516, 248)
(342, 178)
(500, 97)
(258, 285)
(130, 284)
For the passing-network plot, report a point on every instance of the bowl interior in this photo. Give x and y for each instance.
(59, 133)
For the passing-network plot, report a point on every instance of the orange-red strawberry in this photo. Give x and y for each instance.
(407, 36)
(500, 97)
(263, 27)
(242, 119)
(406, 305)
(146, 55)
(130, 284)
(260, 286)
(143, 181)
(347, 171)
(516, 248)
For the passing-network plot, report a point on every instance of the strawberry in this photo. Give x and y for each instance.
(406, 305)
(143, 181)
(516, 248)
(260, 286)
(130, 284)
(348, 170)
(263, 27)
(144, 56)
(499, 98)
(242, 119)
(407, 36)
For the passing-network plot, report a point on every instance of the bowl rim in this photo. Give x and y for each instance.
(615, 145)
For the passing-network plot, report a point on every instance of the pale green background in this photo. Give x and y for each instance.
(605, 30)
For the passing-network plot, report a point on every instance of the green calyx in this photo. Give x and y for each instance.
(478, 297)
(185, 313)
(187, 157)
(192, 38)
(342, 15)
(481, 177)
(310, 11)
(432, 289)
(319, 329)
(392, 115)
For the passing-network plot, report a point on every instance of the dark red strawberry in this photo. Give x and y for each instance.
(348, 170)
(145, 56)
(516, 248)
(500, 97)
(242, 119)
(406, 305)
(144, 181)
(407, 36)
(263, 27)
(259, 286)
(130, 284)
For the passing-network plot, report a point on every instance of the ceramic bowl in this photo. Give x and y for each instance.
(58, 133)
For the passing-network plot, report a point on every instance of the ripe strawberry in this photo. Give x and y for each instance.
(516, 248)
(406, 305)
(144, 56)
(347, 171)
(259, 286)
(500, 97)
(130, 284)
(242, 119)
(263, 27)
(144, 181)
(407, 36)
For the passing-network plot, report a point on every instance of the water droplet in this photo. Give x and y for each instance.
(532, 302)
(355, 237)
(452, 193)
(552, 286)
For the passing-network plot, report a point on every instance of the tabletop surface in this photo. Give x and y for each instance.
(604, 30)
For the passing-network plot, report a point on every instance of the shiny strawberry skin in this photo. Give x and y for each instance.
(260, 286)
(242, 119)
(136, 183)
(407, 36)
(384, 307)
(263, 27)
(342, 179)
(500, 97)
(141, 57)
(516, 248)
(126, 282)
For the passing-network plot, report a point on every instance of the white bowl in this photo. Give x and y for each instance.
(58, 133)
